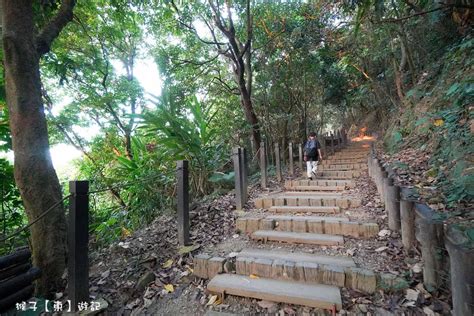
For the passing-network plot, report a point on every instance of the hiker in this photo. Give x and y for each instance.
(312, 154)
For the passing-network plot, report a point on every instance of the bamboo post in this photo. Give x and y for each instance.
(263, 165)
(78, 241)
(182, 175)
(290, 154)
(461, 255)
(239, 201)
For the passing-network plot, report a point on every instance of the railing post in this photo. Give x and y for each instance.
(339, 139)
(300, 153)
(332, 143)
(263, 165)
(182, 174)
(278, 162)
(290, 153)
(78, 241)
(244, 167)
(239, 202)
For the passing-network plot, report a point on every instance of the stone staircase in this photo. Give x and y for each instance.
(288, 217)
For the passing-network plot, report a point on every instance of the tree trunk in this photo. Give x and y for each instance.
(34, 172)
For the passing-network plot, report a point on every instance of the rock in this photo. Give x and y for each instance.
(146, 279)
(384, 233)
(417, 268)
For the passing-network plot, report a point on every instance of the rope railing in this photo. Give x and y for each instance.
(35, 220)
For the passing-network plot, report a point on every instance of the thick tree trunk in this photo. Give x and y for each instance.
(250, 116)
(34, 172)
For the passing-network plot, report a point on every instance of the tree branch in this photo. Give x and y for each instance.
(51, 30)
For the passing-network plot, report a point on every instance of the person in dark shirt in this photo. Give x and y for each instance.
(312, 154)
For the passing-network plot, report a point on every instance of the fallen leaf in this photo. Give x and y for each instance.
(105, 274)
(212, 300)
(417, 268)
(412, 295)
(438, 122)
(188, 249)
(428, 311)
(168, 264)
(381, 249)
(124, 245)
(125, 233)
(253, 276)
(169, 288)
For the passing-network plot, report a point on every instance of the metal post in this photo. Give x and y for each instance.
(182, 174)
(290, 153)
(236, 156)
(78, 240)
(263, 165)
(300, 152)
(278, 162)
(244, 167)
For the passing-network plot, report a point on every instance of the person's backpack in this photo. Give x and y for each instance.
(311, 149)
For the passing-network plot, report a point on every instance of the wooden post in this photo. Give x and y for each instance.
(300, 153)
(322, 141)
(339, 140)
(290, 154)
(239, 200)
(430, 235)
(393, 206)
(245, 171)
(278, 162)
(182, 175)
(332, 143)
(407, 217)
(461, 256)
(78, 240)
(263, 165)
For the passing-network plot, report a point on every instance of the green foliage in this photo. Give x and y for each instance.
(185, 132)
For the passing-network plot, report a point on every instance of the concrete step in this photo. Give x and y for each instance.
(338, 174)
(305, 209)
(298, 293)
(297, 238)
(308, 224)
(305, 182)
(310, 194)
(317, 188)
(340, 261)
(342, 167)
(305, 200)
(343, 161)
(307, 271)
(281, 265)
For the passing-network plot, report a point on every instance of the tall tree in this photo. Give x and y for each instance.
(23, 46)
(232, 39)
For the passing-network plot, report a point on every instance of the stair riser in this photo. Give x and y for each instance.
(353, 229)
(301, 201)
(342, 167)
(316, 188)
(356, 278)
(333, 183)
(337, 162)
(319, 210)
(300, 240)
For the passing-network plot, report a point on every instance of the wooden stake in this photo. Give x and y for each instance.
(182, 174)
(263, 165)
